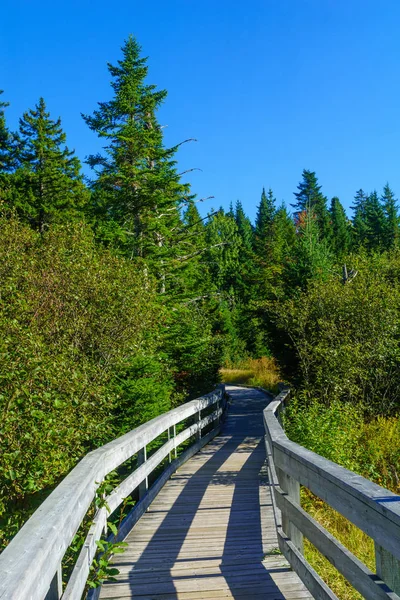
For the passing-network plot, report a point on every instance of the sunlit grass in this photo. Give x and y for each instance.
(348, 534)
(369, 447)
(262, 372)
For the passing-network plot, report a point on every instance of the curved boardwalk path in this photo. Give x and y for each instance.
(210, 533)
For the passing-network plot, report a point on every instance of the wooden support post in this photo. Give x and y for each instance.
(175, 448)
(144, 486)
(387, 568)
(55, 589)
(292, 488)
(169, 438)
(198, 419)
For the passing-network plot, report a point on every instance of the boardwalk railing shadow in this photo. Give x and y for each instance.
(212, 530)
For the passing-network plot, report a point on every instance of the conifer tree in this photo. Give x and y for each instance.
(375, 222)
(265, 217)
(310, 198)
(223, 250)
(137, 180)
(244, 226)
(341, 233)
(390, 209)
(312, 255)
(192, 277)
(7, 160)
(48, 180)
(360, 226)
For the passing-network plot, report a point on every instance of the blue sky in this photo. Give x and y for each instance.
(266, 87)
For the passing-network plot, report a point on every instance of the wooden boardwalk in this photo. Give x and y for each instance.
(210, 533)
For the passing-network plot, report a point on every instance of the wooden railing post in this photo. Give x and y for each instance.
(144, 486)
(292, 489)
(175, 448)
(169, 438)
(198, 419)
(55, 590)
(387, 568)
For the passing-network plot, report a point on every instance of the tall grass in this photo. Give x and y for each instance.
(371, 448)
(262, 372)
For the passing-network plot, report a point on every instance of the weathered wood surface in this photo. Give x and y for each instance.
(372, 508)
(206, 534)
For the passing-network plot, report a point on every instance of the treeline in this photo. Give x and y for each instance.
(118, 300)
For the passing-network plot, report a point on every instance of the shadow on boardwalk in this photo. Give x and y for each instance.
(203, 536)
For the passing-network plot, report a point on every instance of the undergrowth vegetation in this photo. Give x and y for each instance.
(370, 447)
(262, 372)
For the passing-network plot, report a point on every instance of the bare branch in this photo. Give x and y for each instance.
(189, 171)
(185, 142)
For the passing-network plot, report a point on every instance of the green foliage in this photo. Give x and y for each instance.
(138, 191)
(344, 338)
(311, 258)
(341, 229)
(48, 186)
(70, 315)
(264, 220)
(309, 198)
(332, 431)
(341, 433)
(391, 223)
(7, 141)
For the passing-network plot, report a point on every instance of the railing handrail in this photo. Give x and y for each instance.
(30, 562)
(372, 508)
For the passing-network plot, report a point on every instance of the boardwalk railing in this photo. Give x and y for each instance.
(30, 567)
(373, 509)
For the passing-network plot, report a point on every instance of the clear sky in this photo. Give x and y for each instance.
(267, 87)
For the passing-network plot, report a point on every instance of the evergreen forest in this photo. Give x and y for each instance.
(119, 300)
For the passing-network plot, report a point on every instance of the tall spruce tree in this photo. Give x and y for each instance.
(6, 139)
(48, 181)
(341, 232)
(137, 181)
(244, 226)
(312, 257)
(264, 220)
(391, 212)
(360, 226)
(375, 222)
(310, 198)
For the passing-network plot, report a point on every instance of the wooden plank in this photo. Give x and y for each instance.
(206, 533)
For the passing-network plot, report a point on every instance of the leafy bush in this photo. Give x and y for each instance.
(71, 315)
(345, 338)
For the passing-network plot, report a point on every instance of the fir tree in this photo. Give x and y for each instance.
(6, 154)
(312, 256)
(341, 233)
(48, 180)
(137, 180)
(244, 226)
(390, 209)
(265, 217)
(360, 226)
(310, 198)
(375, 222)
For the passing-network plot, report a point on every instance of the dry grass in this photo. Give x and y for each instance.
(262, 372)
